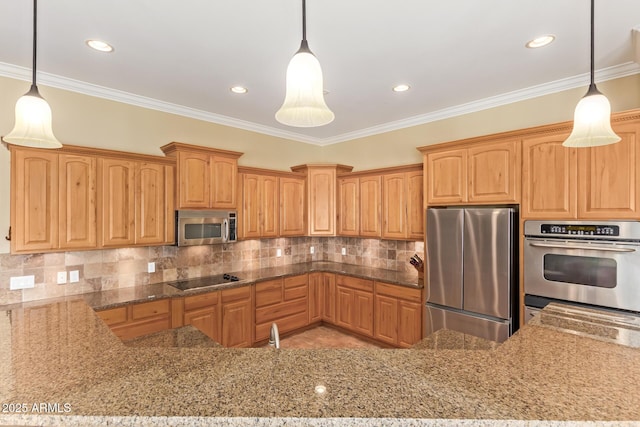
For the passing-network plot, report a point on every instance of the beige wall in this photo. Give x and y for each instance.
(94, 122)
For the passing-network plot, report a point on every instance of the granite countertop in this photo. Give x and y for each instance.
(63, 355)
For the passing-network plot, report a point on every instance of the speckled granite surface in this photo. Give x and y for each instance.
(63, 355)
(184, 337)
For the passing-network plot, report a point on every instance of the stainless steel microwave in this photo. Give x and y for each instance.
(205, 227)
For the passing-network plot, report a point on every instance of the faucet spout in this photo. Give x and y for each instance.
(274, 336)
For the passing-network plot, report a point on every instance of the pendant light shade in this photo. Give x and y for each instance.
(592, 117)
(304, 104)
(33, 115)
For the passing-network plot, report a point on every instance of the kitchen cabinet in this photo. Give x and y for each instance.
(203, 312)
(321, 197)
(354, 304)
(154, 221)
(328, 296)
(473, 172)
(135, 320)
(117, 202)
(237, 317)
(206, 177)
(402, 207)
(260, 206)
(398, 314)
(292, 206)
(359, 206)
(315, 297)
(284, 301)
(77, 201)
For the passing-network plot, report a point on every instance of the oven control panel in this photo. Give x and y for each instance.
(580, 229)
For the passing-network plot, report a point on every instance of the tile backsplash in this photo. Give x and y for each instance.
(119, 268)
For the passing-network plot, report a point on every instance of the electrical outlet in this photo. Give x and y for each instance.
(312, 250)
(74, 276)
(62, 277)
(151, 267)
(278, 252)
(21, 282)
(344, 251)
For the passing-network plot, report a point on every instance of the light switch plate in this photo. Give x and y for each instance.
(151, 267)
(278, 252)
(62, 277)
(344, 251)
(312, 250)
(21, 282)
(74, 276)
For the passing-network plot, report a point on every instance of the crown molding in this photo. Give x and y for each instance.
(59, 82)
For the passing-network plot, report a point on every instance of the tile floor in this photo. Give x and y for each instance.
(324, 337)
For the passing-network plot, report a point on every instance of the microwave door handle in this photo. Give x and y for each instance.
(225, 230)
(586, 247)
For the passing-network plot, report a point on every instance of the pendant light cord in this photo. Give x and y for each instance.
(304, 20)
(35, 23)
(592, 43)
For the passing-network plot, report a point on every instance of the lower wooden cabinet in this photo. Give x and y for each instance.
(398, 319)
(354, 304)
(328, 296)
(283, 301)
(315, 297)
(139, 319)
(237, 317)
(203, 312)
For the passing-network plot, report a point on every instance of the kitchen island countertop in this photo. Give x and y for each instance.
(62, 355)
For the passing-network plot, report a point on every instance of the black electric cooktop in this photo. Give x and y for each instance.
(202, 282)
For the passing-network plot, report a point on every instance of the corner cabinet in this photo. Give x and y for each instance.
(206, 177)
(472, 171)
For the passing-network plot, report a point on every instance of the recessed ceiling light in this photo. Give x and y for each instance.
(401, 88)
(99, 45)
(540, 41)
(239, 89)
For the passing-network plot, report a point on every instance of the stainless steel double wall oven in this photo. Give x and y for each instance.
(583, 262)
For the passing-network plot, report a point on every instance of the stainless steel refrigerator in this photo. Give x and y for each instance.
(472, 270)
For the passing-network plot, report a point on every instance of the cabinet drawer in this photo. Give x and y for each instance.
(236, 294)
(113, 316)
(398, 291)
(355, 283)
(291, 294)
(150, 309)
(202, 300)
(296, 281)
(269, 292)
(277, 311)
(138, 329)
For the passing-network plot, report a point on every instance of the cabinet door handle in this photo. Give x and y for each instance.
(585, 247)
(9, 236)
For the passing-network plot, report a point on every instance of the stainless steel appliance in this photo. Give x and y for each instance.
(472, 270)
(582, 262)
(205, 227)
(202, 282)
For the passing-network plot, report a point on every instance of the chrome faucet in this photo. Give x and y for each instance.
(274, 336)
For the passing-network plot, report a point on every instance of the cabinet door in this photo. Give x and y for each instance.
(609, 185)
(344, 307)
(348, 207)
(386, 323)
(250, 206)
(363, 312)
(150, 204)
(446, 177)
(493, 172)
(224, 175)
(549, 174)
(169, 204)
(415, 207)
(237, 319)
(194, 178)
(117, 202)
(322, 201)
(269, 206)
(315, 297)
(370, 206)
(292, 206)
(34, 188)
(77, 201)
(328, 297)
(394, 205)
(409, 323)
(206, 320)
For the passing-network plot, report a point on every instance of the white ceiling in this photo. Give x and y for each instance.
(182, 57)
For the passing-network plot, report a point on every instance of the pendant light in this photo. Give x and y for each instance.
(592, 118)
(33, 114)
(304, 104)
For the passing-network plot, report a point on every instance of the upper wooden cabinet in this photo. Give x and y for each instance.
(473, 172)
(371, 206)
(86, 198)
(293, 217)
(321, 197)
(349, 206)
(260, 206)
(359, 205)
(402, 206)
(585, 183)
(206, 177)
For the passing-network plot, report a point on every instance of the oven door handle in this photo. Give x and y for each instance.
(589, 248)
